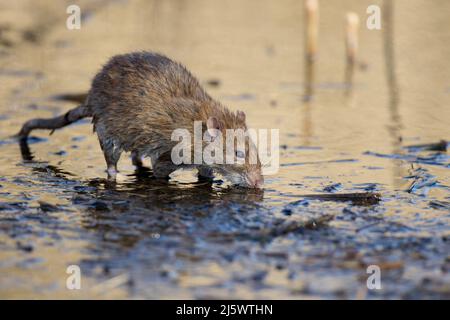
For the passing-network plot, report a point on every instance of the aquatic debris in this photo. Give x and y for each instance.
(91, 204)
(317, 162)
(294, 226)
(288, 209)
(422, 181)
(72, 97)
(78, 138)
(333, 187)
(60, 153)
(259, 276)
(47, 207)
(7, 206)
(437, 159)
(301, 202)
(366, 186)
(442, 205)
(308, 148)
(439, 146)
(213, 82)
(24, 247)
(285, 147)
(282, 228)
(360, 198)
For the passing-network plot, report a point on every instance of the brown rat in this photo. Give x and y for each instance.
(137, 100)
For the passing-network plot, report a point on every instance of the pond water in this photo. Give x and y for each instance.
(141, 238)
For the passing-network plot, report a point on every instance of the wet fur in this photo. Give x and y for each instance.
(136, 101)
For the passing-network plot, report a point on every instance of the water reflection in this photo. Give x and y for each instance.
(143, 185)
(177, 239)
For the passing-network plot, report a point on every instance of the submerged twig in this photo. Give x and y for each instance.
(360, 198)
(438, 146)
(442, 205)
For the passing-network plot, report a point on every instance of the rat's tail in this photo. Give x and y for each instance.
(52, 124)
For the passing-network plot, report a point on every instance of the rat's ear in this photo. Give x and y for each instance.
(213, 126)
(240, 115)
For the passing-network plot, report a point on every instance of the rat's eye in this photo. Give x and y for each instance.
(240, 154)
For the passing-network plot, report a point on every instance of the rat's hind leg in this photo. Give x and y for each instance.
(136, 159)
(112, 156)
(163, 166)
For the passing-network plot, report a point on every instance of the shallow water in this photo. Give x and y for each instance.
(140, 238)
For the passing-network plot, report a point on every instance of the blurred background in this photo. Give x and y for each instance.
(335, 137)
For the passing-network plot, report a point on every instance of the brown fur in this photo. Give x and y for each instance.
(136, 102)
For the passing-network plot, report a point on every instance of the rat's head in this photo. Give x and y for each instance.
(241, 165)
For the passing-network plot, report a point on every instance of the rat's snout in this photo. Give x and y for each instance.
(254, 180)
